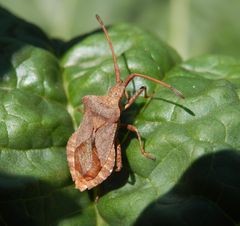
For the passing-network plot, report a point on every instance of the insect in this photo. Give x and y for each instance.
(93, 150)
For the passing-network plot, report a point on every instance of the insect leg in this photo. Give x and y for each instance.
(118, 157)
(126, 94)
(136, 95)
(132, 128)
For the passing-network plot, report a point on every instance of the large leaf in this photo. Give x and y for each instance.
(35, 187)
(89, 63)
(195, 178)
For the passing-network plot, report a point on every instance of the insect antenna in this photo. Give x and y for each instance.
(131, 77)
(116, 68)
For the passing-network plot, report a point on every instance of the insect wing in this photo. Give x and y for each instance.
(91, 157)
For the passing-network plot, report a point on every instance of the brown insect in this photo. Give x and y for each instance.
(93, 149)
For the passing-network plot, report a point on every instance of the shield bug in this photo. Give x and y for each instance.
(93, 150)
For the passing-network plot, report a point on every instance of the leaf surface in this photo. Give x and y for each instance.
(195, 141)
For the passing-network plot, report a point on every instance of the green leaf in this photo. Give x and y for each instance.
(35, 187)
(195, 175)
(194, 179)
(89, 63)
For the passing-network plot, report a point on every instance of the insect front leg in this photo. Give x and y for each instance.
(118, 157)
(136, 95)
(132, 128)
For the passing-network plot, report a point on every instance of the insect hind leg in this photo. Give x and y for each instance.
(132, 128)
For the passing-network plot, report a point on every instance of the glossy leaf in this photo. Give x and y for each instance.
(195, 177)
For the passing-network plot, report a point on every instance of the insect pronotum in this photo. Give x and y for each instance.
(93, 149)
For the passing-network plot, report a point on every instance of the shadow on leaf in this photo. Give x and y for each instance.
(189, 111)
(207, 194)
(119, 179)
(29, 201)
